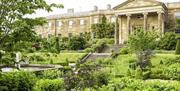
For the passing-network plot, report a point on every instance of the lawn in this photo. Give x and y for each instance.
(53, 58)
(121, 63)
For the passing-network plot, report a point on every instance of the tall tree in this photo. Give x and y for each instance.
(178, 23)
(142, 43)
(12, 16)
(104, 29)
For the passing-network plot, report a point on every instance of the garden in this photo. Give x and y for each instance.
(146, 62)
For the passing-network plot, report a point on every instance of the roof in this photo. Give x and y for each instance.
(76, 14)
(129, 1)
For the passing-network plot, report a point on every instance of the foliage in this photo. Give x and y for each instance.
(99, 46)
(178, 46)
(7, 58)
(87, 36)
(52, 74)
(18, 81)
(142, 43)
(14, 26)
(178, 23)
(87, 75)
(124, 50)
(57, 45)
(128, 84)
(76, 43)
(168, 41)
(54, 58)
(103, 29)
(49, 85)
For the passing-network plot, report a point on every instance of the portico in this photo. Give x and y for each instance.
(129, 18)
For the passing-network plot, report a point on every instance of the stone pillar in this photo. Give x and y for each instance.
(163, 26)
(128, 23)
(145, 21)
(120, 30)
(116, 35)
(159, 21)
(55, 27)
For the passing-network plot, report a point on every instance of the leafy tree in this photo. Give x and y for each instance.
(178, 46)
(168, 41)
(103, 29)
(76, 43)
(142, 43)
(57, 45)
(178, 23)
(13, 20)
(171, 24)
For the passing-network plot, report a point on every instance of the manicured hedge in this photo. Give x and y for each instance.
(17, 81)
(49, 85)
(178, 47)
(128, 84)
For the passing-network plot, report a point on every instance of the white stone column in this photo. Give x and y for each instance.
(159, 21)
(163, 26)
(116, 35)
(120, 30)
(145, 20)
(128, 23)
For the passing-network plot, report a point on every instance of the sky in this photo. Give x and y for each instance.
(82, 5)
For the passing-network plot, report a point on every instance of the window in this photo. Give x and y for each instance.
(113, 19)
(50, 24)
(153, 27)
(70, 23)
(40, 35)
(95, 20)
(70, 34)
(59, 35)
(49, 35)
(81, 22)
(177, 14)
(80, 34)
(60, 24)
(94, 34)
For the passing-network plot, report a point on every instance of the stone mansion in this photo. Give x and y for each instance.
(130, 15)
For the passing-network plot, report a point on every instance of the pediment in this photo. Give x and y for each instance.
(137, 3)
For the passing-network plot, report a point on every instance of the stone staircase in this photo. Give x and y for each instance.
(115, 48)
(94, 56)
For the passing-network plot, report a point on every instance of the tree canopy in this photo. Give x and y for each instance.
(104, 29)
(13, 23)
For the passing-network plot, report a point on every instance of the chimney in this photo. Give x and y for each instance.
(70, 10)
(108, 7)
(95, 8)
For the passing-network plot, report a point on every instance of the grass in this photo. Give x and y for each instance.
(121, 63)
(53, 58)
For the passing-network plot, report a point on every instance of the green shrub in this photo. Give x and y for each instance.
(52, 74)
(76, 43)
(124, 50)
(114, 55)
(139, 73)
(18, 81)
(168, 41)
(146, 74)
(128, 84)
(88, 50)
(49, 85)
(102, 78)
(99, 46)
(108, 40)
(36, 58)
(178, 46)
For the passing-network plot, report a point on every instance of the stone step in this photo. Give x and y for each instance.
(115, 48)
(95, 56)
